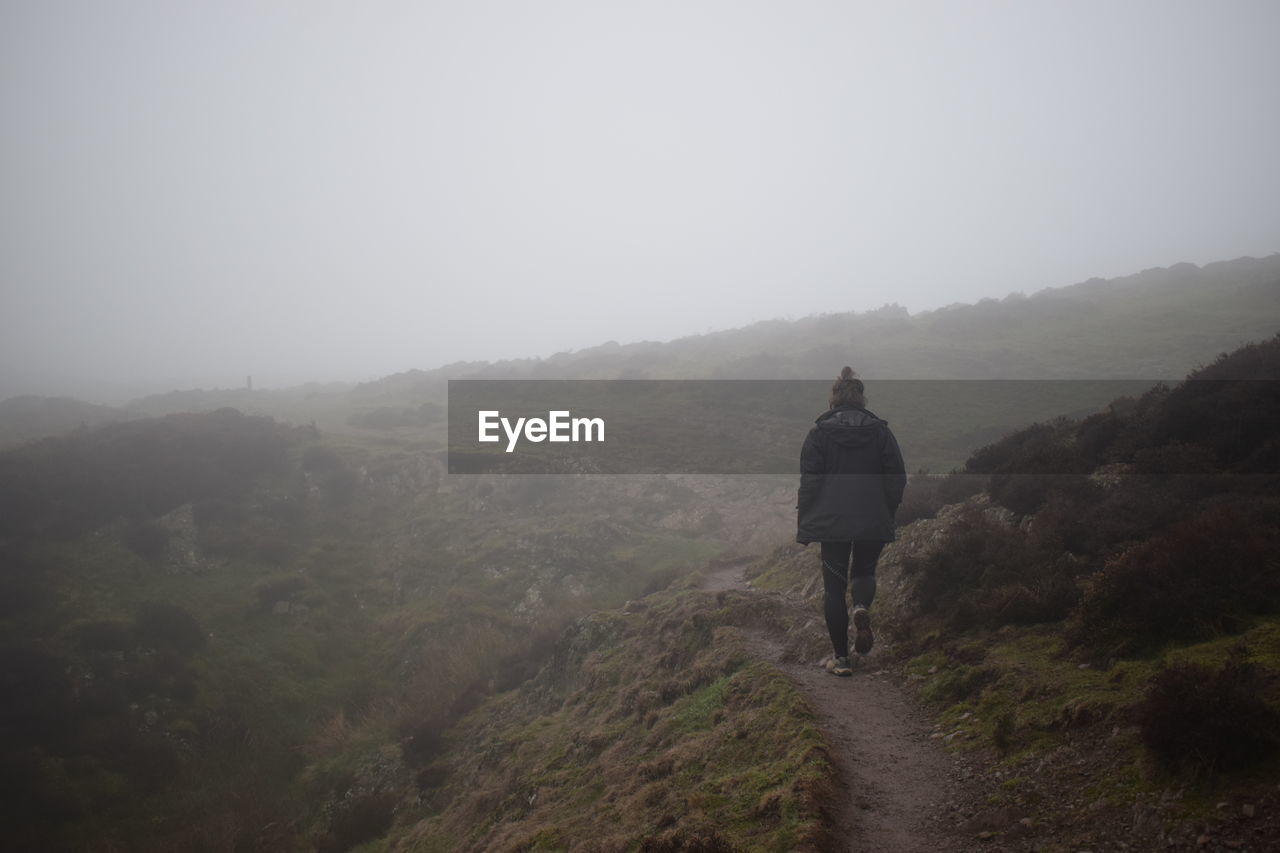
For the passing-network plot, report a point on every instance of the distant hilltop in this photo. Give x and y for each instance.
(28, 416)
(1160, 323)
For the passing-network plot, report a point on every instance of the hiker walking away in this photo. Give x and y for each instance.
(851, 481)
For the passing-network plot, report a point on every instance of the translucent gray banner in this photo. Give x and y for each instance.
(736, 426)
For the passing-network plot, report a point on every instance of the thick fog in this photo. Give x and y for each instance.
(195, 192)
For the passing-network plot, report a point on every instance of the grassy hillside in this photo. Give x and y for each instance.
(650, 728)
(220, 631)
(1095, 604)
(212, 622)
(1091, 608)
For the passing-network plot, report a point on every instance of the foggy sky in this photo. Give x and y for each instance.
(194, 192)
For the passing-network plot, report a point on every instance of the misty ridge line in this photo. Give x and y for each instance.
(948, 323)
(1210, 309)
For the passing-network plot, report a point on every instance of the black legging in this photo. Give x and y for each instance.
(835, 569)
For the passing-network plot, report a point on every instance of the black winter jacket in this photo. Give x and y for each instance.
(851, 479)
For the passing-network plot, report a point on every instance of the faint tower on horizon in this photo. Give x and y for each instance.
(248, 383)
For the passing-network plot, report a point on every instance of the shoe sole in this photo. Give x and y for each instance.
(863, 642)
(843, 673)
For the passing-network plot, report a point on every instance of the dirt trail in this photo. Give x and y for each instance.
(899, 789)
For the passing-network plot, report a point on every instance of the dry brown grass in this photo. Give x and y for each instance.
(680, 742)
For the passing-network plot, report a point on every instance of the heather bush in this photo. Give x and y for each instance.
(340, 485)
(64, 486)
(257, 537)
(1027, 493)
(318, 459)
(217, 512)
(1202, 576)
(1225, 417)
(1201, 721)
(926, 494)
(161, 674)
(168, 626)
(148, 758)
(103, 635)
(36, 699)
(146, 539)
(285, 588)
(1255, 362)
(1093, 523)
(1097, 434)
(1030, 464)
(985, 573)
(1005, 454)
(357, 819)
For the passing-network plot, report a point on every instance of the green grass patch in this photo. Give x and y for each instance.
(698, 711)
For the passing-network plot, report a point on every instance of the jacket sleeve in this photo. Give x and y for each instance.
(895, 471)
(812, 466)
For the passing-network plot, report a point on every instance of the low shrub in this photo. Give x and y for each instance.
(103, 635)
(285, 588)
(146, 539)
(926, 494)
(340, 485)
(357, 819)
(1201, 721)
(319, 459)
(36, 700)
(1203, 576)
(168, 626)
(255, 537)
(1027, 466)
(1008, 454)
(150, 759)
(1094, 523)
(1176, 457)
(424, 741)
(985, 573)
(65, 486)
(218, 512)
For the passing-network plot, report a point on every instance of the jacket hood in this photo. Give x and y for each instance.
(848, 416)
(851, 426)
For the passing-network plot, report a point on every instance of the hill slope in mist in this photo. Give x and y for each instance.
(1094, 605)
(1091, 609)
(26, 417)
(1157, 324)
(212, 623)
(221, 632)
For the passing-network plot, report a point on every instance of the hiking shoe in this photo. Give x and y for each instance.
(864, 639)
(840, 666)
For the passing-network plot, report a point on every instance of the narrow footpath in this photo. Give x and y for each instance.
(900, 790)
